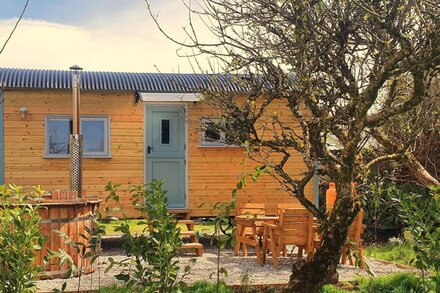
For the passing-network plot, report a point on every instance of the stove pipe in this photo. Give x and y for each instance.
(75, 146)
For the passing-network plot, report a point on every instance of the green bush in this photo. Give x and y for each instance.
(20, 239)
(422, 216)
(151, 265)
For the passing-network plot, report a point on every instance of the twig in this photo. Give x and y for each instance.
(15, 26)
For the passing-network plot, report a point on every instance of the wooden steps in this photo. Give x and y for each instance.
(198, 247)
(191, 235)
(180, 213)
(187, 233)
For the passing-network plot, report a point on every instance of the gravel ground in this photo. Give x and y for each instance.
(205, 268)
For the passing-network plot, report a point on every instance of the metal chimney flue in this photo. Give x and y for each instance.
(75, 180)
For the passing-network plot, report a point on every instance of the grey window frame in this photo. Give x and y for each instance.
(105, 154)
(207, 143)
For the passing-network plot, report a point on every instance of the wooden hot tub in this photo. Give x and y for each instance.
(64, 211)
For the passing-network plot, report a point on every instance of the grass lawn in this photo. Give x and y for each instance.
(202, 228)
(401, 253)
(400, 282)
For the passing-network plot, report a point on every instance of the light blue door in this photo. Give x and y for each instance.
(166, 151)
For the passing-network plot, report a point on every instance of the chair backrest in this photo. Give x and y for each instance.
(247, 208)
(356, 229)
(296, 226)
(281, 206)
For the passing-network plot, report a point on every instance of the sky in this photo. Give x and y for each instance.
(98, 35)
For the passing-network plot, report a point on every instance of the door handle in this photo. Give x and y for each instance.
(149, 148)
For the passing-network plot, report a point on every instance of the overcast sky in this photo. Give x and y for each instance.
(106, 35)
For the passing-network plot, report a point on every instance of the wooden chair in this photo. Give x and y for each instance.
(295, 227)
(355, 235)
(248, 229)
(281, 206)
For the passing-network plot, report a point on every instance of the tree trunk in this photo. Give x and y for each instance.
(311, 276)
(419, 171)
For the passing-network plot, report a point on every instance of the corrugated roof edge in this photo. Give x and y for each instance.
(118, 81)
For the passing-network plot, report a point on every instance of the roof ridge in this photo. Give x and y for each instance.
(118, 81)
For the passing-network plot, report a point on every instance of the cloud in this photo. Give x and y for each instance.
(128, 41)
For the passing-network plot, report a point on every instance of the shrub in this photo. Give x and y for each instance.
(151, 265)
(422, 215)
(20, 238)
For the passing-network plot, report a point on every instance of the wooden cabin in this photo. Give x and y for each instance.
(136, 126)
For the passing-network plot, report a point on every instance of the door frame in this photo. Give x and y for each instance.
(145, 135)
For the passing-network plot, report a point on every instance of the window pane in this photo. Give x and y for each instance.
(93, 132)
(211, 134)
(165, 138)
(58, 136)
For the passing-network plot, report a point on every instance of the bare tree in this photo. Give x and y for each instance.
(335, 65)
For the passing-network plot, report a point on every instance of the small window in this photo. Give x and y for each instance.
(165, 131)
(210, 136)
(95, 131)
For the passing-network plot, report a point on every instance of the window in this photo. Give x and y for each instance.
(95, 131)
(210, 136)
(165, 131)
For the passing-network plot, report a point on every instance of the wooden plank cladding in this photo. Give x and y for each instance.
(25, 161)
(215, 171)
(212, 171)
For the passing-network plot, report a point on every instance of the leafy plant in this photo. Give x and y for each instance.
(151, 265)
(222, 222)
(379, 204)
(20, 238)
(422, 215)
(89, 248)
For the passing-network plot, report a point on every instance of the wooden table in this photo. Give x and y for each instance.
(249, 228)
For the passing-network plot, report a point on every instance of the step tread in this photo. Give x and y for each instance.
(187, 233)
(186, 222)
(191, 245)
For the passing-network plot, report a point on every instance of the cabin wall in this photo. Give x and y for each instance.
(212, 171)
(215, 171)
(24, 141)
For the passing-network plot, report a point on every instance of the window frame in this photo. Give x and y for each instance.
(105, 119)
(207, 143)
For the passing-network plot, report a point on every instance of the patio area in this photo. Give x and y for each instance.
(241, 270)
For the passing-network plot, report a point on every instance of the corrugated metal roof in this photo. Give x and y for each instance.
(116, 81)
